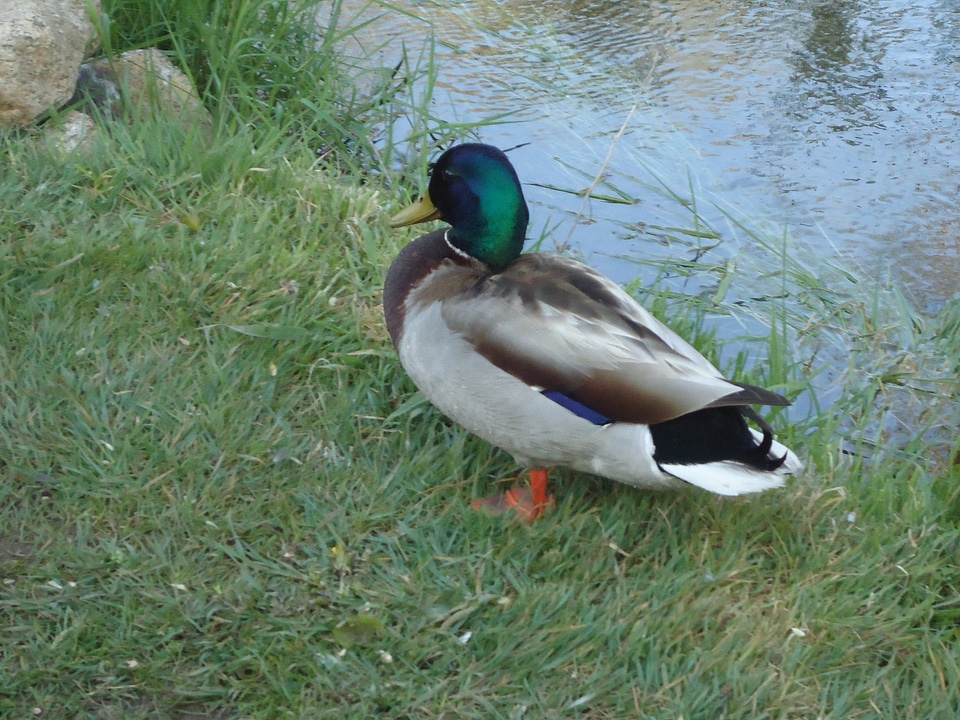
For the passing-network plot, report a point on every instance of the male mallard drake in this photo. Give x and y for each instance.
(553, 362)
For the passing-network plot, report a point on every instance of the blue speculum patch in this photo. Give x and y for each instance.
(577, 408)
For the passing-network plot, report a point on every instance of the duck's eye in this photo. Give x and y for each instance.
(449, 174)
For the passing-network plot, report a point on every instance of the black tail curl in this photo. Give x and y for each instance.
(714, 435)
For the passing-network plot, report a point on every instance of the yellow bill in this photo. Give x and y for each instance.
(418, 212)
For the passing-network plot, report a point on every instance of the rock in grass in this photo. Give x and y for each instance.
(42, 43)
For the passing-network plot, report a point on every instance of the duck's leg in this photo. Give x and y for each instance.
(529, 503)
(538, 489)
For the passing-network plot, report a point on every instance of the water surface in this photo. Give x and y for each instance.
(835, 121)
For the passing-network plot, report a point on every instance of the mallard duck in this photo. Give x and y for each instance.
(548, 359)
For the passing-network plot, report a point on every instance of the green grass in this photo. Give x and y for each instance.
(221, 497)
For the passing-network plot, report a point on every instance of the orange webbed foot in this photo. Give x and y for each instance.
(528, 503)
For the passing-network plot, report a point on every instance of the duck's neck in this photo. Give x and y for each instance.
(410, 268)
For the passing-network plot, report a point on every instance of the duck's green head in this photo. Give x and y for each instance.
(475, 189)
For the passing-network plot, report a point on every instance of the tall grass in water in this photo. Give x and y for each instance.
(221, 497)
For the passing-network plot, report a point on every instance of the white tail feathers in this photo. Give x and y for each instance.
(733, 478)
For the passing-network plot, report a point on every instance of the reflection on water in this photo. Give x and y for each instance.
(837, 118)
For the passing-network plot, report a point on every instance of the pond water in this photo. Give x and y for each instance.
(833, 122)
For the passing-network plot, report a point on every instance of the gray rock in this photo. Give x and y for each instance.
(42, 43)
(77, 132)
(154, 84)
(140, 81)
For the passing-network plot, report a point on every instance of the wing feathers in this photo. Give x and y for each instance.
(557, 324)
(751, 395)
